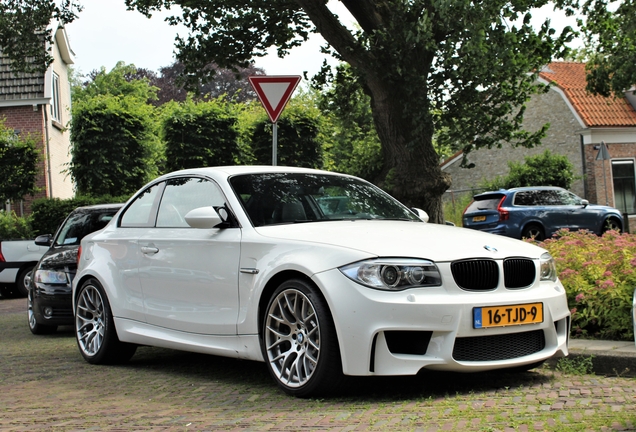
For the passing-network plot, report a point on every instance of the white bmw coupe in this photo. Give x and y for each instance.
(315, 273)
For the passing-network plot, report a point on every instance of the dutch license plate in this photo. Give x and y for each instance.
(500, 316)
(479, 218)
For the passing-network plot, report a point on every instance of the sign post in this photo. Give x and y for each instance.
(274, 91)
(603, 154)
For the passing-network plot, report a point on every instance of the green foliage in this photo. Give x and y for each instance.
(18, 163)
(115, 147)
(454, 208)
(599, 278)
(610, 30)
(546, 169)
(14, 227)
(122, 80)
(298, 137)
(199, 134)
(49, 213)
(579, 365)
(353, 146)
(20, 39)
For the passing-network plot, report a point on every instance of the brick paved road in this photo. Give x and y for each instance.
(46, 385)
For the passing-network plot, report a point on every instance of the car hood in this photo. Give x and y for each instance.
(59, 258)
(404, 239)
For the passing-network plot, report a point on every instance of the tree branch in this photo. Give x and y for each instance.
(337, 35)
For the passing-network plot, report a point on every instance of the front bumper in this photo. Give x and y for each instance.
(52, 304)
(399, 333)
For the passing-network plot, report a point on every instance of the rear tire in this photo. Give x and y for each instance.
(533, 232)
(95, 327)
(299, 341)
(23, 281)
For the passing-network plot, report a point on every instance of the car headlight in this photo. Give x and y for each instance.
(548, 268)
(393, 274)
(50, 277)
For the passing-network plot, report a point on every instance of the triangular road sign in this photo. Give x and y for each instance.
(274, 92)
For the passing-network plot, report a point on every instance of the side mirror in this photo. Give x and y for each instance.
(585, 203)
(203, 217)
(44, 240)
(420, 214)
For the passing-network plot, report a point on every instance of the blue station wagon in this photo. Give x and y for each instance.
(537, 212)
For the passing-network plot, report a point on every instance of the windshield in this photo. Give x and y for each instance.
(275, 198)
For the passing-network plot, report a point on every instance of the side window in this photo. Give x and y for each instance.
(550, 198)
(569, 198)
(56, 112)
(141, 213)
(524, 199)
(184, 194)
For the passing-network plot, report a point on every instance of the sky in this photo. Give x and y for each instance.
(106, 33)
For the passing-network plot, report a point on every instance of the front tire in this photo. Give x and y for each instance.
(611, 224)
(95, 327)
(35, 327)
(299, 341)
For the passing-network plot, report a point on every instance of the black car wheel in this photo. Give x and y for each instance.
(534, 232)
(612, 224)
(95, 328)
(299, 341)
(34, 326)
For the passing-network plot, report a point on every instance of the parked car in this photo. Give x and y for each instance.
(256, 263)
(49, 303)
(17, 258)
(538, 213)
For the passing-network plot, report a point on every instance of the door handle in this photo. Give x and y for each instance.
(149, 250)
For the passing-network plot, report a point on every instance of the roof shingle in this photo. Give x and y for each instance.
(596, 111)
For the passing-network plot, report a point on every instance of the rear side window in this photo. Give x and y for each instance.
(490, 202)
(80, 224)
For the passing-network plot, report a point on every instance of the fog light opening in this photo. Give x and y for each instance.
(48, 312)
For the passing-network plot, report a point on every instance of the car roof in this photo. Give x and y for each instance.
(221, 172)
(98, 207)
(518, 189)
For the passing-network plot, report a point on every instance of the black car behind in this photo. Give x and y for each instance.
(49, 297)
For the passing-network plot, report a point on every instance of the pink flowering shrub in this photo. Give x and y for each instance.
(599, 276)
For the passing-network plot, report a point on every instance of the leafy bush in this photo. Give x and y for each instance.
(546, 169)
(200, 134)
(599, 278)
(49, 213)
(14, 227)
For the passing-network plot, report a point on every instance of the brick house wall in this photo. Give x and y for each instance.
(579, 123)
(26, 106)
(562, 138)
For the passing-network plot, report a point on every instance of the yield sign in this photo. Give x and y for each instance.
(274, 92)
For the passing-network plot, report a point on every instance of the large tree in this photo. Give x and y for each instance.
(462, 67)
(610, 31)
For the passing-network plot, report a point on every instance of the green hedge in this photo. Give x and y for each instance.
(49, 213)
(13, 226)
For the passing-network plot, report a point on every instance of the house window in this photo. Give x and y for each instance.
(56, 114)
(624, 185)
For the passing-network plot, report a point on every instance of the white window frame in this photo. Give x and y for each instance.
(56, 109)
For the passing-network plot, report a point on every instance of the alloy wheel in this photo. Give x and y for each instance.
(292, 338)
(90, 320)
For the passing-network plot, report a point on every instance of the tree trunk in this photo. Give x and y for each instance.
(411, 172)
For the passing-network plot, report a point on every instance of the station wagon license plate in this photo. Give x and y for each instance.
(479, 218)
(501, 316)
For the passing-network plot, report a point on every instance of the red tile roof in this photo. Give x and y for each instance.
(596, 111)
